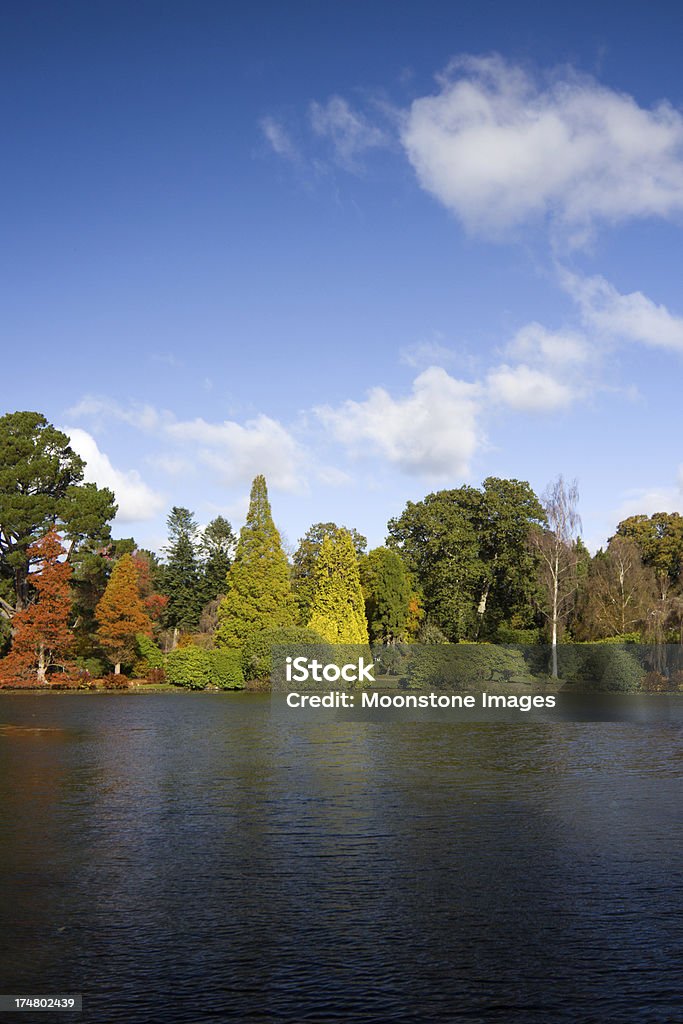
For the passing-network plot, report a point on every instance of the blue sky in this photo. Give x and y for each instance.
(369, 249)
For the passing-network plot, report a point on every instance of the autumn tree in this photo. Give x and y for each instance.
(121, 615)
(41, 486)
(556, 547)
(92, 565)
(258, 594)
(42, 639)
(148, 569)
(305, 560)
(337, 610)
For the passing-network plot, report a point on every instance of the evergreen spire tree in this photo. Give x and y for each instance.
(121, 614)
(181, 575)
(259, 594)
(218, 545)
(337, 609)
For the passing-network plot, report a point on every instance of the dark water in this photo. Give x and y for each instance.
(182, 858)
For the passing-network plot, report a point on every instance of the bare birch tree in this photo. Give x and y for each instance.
(558, 555)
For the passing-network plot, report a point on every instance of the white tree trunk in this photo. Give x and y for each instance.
(42, 675)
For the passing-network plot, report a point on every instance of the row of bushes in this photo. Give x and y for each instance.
(197, 667)
(604, 667)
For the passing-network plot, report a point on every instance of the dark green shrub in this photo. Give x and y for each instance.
(510, 635)
(390, 659)
(600, 666)
(620, 671)
(93, 666)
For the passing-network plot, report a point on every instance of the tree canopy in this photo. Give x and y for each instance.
(306, 558)
(337, 610)
(41, 487)
(468, 549)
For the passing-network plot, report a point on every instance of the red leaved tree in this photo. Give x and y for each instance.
(41, 637)
(121, 615)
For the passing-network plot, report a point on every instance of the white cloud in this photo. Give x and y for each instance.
(634, 317)
(432, 432)
(560, 349)
(279, 139)
(135, 499)
(348, 130)
(525, 389)
(498, 149)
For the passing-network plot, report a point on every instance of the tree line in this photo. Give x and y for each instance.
(495, 564)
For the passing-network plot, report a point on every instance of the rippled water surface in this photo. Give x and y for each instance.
(186, 858)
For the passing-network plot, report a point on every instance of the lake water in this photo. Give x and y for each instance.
(187, 858)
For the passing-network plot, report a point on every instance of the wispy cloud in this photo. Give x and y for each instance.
(350, 133)
(235, 452)
(633, 317)
(427, 353)
(560, 349)
(643, 501)
(278, 137)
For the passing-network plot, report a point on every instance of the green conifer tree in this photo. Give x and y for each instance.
(388, 594)
(181, 574)
(337, 608)
(259, 594)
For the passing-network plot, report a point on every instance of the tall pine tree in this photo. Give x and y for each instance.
(338, 608)
(259, 594)
(121, 615)
(218, 545)
(181, 579)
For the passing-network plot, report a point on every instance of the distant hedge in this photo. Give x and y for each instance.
(601, 666)
(257, 662)
(197, 668)
(463, 665)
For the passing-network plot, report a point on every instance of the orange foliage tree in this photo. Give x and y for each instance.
(153, 603)
(121, 615)
(42, 639)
